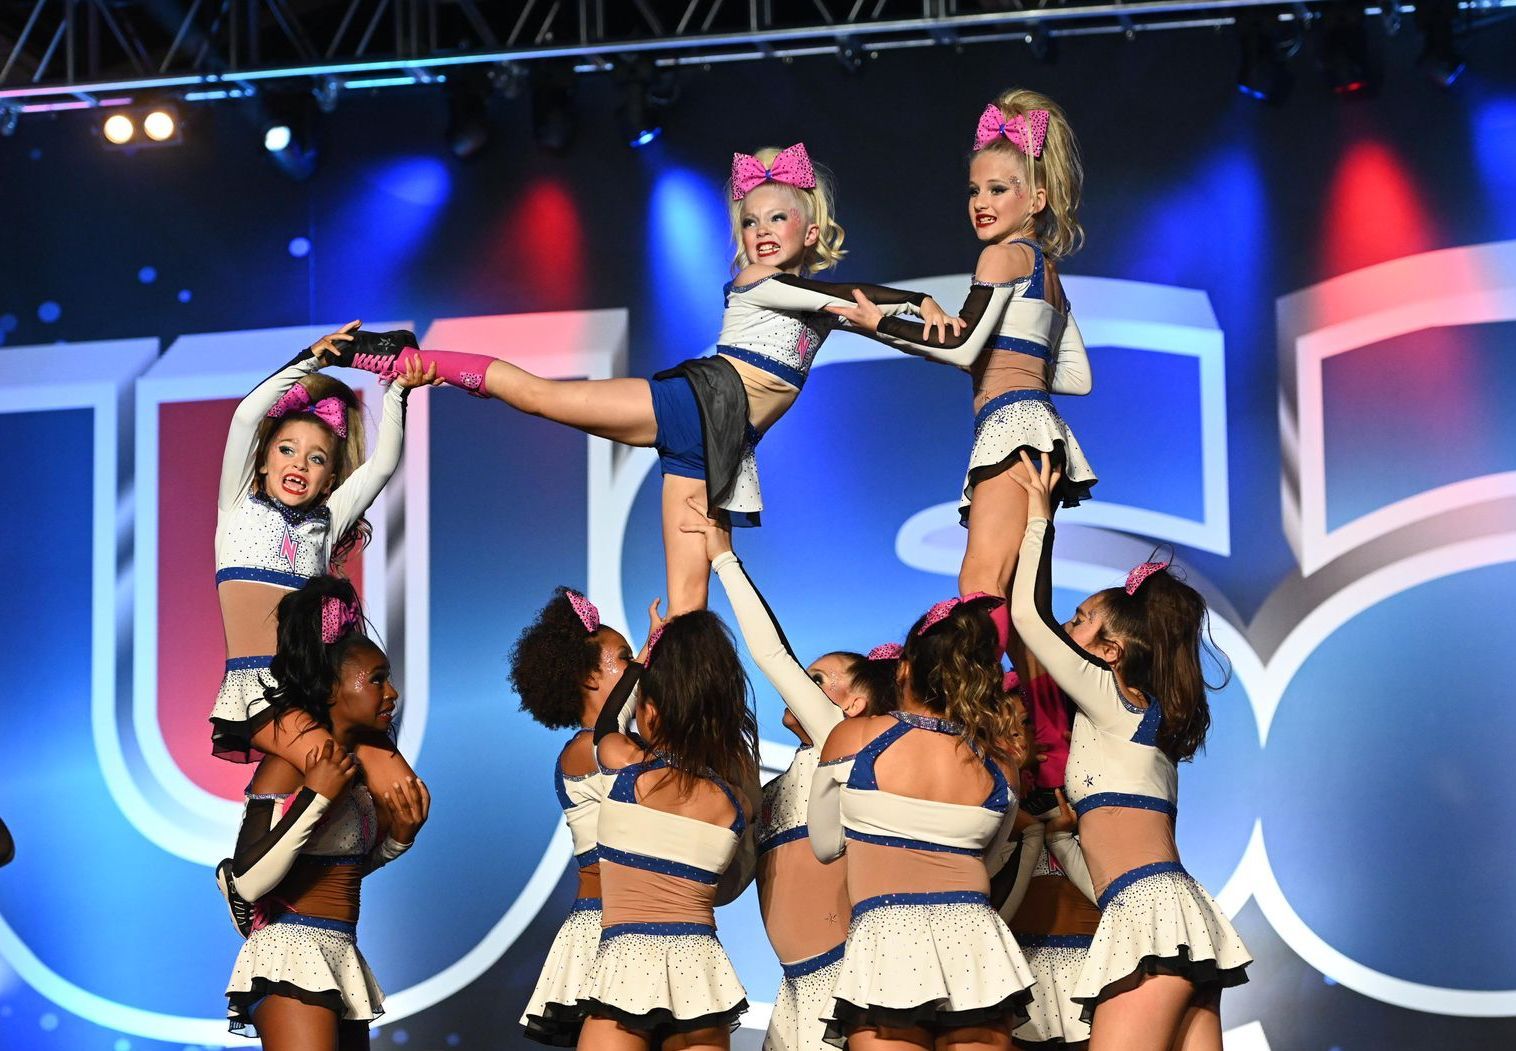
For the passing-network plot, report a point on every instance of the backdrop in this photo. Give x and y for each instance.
(1301, 324)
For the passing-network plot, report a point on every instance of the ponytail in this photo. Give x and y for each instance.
(954, 669)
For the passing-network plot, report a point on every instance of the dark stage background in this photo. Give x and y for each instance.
(1302, 327)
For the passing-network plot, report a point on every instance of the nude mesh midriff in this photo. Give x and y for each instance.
(804, 902)
(330, 892)
(629, 895)
(589, 881)
(1119, 839)
(1002, 371)
(1053, 905)
(248, 617)
(768, 396)
(873, 870)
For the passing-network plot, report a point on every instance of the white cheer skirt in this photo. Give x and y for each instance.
(1157, 920)
(663, 978)
(1054, 1019)
(308, 959)
(939, 960)
(805, 995)
(553, 1015)
(240, 708)
(1025, 419)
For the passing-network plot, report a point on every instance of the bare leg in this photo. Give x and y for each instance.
(717, 1038)
(974, 1038)
(604, 1034)
(618, 409)
(1142, 1019)
(1200, 1028)
(287, 1024)
(687, 569)
(997, 522)
(889, 1038)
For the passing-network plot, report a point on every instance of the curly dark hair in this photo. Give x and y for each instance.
(875, 678)
(704, 703)
(552, 656)
(1161, 630)
(305, 669)
(955, 671)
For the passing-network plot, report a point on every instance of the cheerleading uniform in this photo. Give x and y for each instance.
(712, 411)
(1018, 348)
(925, 947)
(265, 550)
(660, 968)
(300, 859)
(1155, 919)
(804, 901)
(552, 1015)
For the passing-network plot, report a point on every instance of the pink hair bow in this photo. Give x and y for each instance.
(886, 651)
(792, 167)
(329, 411)
(940, 611)
(1026, 131)
(1011, 681)
(337, 618)
(1135, 578)
(589, 616)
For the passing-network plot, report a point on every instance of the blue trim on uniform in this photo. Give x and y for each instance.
(332, 860)
(732, 286)
(1126, 879)
(1055, 941)
(248, 663)
(1034, 290)
(1126, 799)
(793, 971)
(293, 581)
(563, 797)
(1152, 722)
(624, 788)
(1010, 397)
(319, 922)
(663, 865)
(1018, 345)
(773, 366)
(585, 905)
(588, 858)
(910, 844)
(658, 930)
(862, 776)
(929, 722)
(779, 839)
(933, 897)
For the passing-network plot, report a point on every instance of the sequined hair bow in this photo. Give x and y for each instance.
(588, 615)
(1135, 578)
(338, 618)
(940, 611)
(792, 167)
(1011, 681)
(886, 651)
(329, 411)
(1026, 131)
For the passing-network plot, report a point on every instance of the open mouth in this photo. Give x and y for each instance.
(387, 715)
(295, 484)
(984, 220)
(767, 248)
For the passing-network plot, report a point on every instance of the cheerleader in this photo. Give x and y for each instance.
(674, 842)
(706, 416)
(920, 798)
(1130, 662)
(564, 666)
(311, 833)
(804, 902)
(1019, 341)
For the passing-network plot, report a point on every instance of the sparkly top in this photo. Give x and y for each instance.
(580, 795)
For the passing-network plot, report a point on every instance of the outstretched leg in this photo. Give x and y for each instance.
(618, 409)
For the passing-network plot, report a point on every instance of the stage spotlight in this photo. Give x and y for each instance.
(468, 123)
(1439, 58)
(554, 120)
(645, 95)
(1043, 45)
(849, 55)
(161, 124)
(119, 129)
(1267, 46)
(276, 137)
(289, 125)
(10, 115)
(1346, 61)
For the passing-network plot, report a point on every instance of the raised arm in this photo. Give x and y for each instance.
(350, 500)
(772, 290)
(1069, 372)
(771, 650)
(237, 465)
(613, 748)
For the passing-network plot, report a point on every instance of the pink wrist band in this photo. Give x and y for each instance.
(465, 371)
